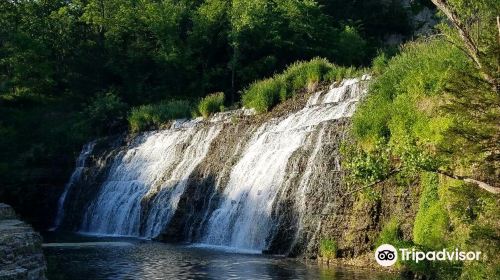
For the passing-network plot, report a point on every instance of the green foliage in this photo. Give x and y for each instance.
(351, 46)
(401, 106)
(105, 113)
(153, 116)
(430, 109)
(211, 103)
(431, 222)
(390, 234)
(366, 166)
(306, 74)
(328, 248)
(479, 23)
(379, 64)
(265, 94)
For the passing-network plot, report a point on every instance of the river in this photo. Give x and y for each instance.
(83, 257)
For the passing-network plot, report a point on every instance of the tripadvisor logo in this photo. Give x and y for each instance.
(387, 255)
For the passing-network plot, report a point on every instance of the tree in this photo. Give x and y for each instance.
(476, 26)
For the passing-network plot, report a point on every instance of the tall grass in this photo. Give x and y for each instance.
(154, 115)
(265, 94)
(210, 104)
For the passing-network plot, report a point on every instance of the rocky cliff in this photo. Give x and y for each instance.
(21, 254)
(272, 183)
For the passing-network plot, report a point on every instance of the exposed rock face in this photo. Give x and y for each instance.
(271, 183)
(21, 254)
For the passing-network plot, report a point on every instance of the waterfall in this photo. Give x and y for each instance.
(75, 176)
(156, 164)
(166, 182)
(243, 219)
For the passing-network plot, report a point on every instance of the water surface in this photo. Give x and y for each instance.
(83, 257)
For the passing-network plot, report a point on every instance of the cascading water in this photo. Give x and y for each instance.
(75, 176)
(243, 219)
(157, 163)
(158, 172)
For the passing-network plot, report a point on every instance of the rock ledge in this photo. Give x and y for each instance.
(21, 254)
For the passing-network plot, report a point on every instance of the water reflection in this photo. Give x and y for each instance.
(152, 260)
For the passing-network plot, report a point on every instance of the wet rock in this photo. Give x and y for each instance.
(21, 254)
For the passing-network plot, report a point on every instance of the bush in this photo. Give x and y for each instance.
(430, 227)
(350, 46)
(210, 104)
(390, 234)
(153, 115)
(106, 112)
(402, 102)
(306, 74)
(265, 94)
(328, 248)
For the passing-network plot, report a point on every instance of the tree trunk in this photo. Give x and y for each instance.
(466, 37)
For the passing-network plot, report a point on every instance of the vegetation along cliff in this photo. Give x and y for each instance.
(311, 129)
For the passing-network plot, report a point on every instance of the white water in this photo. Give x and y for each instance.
(75, 176)
(157, 164)
(150, 176)
(243, 219)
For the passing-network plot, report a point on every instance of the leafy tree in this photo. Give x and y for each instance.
(106, 113)
(476, 30)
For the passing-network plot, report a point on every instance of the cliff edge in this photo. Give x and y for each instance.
(21, 254)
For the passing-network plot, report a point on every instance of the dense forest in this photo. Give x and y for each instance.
(72, 71)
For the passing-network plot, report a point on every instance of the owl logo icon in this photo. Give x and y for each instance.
(386, 255)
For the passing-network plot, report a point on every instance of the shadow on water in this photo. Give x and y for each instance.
(141, 259)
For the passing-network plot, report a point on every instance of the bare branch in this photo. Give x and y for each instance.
(387, 177)
(485, 186)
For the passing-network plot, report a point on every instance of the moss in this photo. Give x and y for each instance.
(328, 248)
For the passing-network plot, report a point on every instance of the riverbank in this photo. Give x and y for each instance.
(21, 254)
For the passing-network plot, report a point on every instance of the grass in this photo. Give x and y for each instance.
(153, 115)
(328, 248)
(390, 233)
(210, 104)
(265, 94)
(431, 222)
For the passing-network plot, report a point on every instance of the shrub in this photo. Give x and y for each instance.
(328, 248)
(265, 94)
(153, 115)
(305, 74)
(401, 105)
(106, 112)
(430, 227)
(390, 234)
(210, 104)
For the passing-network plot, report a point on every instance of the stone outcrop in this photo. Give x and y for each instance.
(21, 254)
